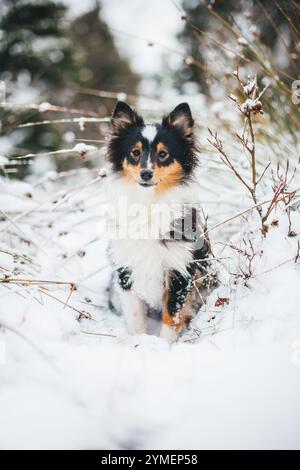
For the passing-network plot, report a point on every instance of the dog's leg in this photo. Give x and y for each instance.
(134, 311)
(132, 306)
(177, 305)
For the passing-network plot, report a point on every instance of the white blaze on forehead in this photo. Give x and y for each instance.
(149, 164)
(149, 132)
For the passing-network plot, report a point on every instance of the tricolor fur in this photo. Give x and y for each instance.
(154, 166)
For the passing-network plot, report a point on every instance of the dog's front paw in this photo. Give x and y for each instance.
(168, 333)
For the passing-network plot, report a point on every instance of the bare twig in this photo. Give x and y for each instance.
(77, 151)
(28, 282)
(281, 183)
(47, 107)
(81, 313)
(97, 334)
(244, 212)
(81, 121)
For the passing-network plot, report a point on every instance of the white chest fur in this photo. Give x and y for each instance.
(135, 244)
(149, 260)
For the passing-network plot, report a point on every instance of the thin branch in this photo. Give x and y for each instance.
(81, 121)
(28, 282)
(82, 313)
(79, 150)
(47, 107)
(98, 334)
(245, 211)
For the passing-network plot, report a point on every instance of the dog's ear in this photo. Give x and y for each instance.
(181, 119)
(123, 117)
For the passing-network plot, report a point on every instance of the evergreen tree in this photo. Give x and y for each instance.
(35, 62)
(98, 60)
(32, 38)
(45, 58)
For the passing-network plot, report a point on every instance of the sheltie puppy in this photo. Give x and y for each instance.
(160, 251)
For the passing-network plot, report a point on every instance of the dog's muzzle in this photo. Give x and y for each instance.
(146, 177)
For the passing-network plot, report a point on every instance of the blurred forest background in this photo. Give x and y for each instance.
(73, 63)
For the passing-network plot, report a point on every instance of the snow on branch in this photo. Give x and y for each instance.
(46, 107)
(80, 150)
(81, 121)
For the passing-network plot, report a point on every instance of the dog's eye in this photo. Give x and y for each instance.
(163, 155)
(135, 153)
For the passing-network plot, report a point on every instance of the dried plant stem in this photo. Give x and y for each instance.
(250, 107)
(13, 222)
(81, 313)
(65, 197)
(17, 255)
(200, 32)
(73, 288)
(47, 107)
(272, 22)
(280, 188)
(217, 143)
(64, 152)
(114, 95)
(244, 212)
(81, 120)
(28, 282)
(252, 153)
(97, 334)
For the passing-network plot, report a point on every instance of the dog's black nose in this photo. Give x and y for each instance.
(146, 175)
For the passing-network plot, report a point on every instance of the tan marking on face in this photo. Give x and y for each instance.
(168, 176)
(131, 172)
(161, 148)
(138, 145)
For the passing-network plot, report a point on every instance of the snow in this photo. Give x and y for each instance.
(249, 88)
(3, 160)
(242, 41)
(147, 44)
(231, 381)
(81, 123)
(44, 107)
(84, 149)
(121, 97)
(251, 105)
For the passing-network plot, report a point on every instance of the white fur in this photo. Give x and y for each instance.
(149, 132)
(149, 164)
(133, 310)
(168, 333)
(150, 259)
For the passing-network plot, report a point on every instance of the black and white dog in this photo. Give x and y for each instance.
(161, 252)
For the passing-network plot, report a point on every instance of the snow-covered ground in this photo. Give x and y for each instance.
(233, 379)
